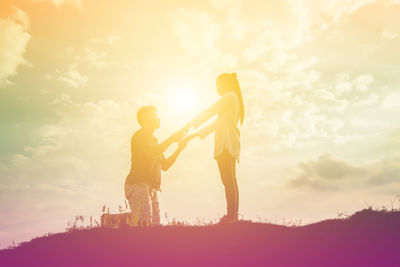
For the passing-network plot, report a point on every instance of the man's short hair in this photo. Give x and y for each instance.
(143, 114)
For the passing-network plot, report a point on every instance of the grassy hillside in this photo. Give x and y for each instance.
(367, 238)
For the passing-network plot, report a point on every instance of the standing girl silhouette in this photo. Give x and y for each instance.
(230, 110)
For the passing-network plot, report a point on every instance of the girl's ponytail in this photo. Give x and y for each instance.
(238, 92)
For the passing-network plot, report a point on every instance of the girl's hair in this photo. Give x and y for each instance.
(230, 83)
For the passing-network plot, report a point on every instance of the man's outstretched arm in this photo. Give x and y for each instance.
(175, 137)
(167, 163)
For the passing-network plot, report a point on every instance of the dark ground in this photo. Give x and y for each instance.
(367, 238)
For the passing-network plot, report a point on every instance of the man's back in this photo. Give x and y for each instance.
(145, 167)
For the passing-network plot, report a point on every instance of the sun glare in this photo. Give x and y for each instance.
(183, 98)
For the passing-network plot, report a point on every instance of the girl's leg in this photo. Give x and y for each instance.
(236, 190)
(227, 168)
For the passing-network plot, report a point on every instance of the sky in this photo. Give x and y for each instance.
(320, 81)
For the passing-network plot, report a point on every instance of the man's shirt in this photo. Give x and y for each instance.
(145, 167)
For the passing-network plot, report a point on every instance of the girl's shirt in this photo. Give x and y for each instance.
(227, 134)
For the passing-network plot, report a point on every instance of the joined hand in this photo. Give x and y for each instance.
(185, 141)
(178, 136)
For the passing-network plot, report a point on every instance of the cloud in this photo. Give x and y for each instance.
(282, 26)
(72, 77)
(223, 3)
(21, 17)
(389, 35)
(96, 52)
(293, 100)
(95, 60)
(327, 172)
(353, 89)
(77, 3)
(369, 51)
(291, 103)
(341, 8)
(65, 154)
(330, 168)
(109, 40)
(197, 33)
(13, 41)
(331, 173)
(92, 55)
(391, 101)
(386, 172)
(298, 92)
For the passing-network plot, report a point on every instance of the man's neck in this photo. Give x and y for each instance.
(149, 130)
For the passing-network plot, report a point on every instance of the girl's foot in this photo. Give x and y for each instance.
(227, 219)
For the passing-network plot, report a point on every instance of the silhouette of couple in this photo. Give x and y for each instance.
(144, 179)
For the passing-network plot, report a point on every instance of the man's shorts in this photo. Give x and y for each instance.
(138, 196)
(143, 203)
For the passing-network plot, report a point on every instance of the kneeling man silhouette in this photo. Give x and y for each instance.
(144, 179)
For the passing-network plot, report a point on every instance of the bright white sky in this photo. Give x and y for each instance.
(320, 81)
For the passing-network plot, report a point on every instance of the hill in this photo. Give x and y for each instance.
(367, 238)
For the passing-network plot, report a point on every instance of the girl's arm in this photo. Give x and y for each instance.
(210, 112)
(206, 131)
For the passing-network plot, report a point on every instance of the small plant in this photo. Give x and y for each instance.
(166, 218)
(291, 222)
(12, 245)
(393, 202)
(75, 225)
(342, 214)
